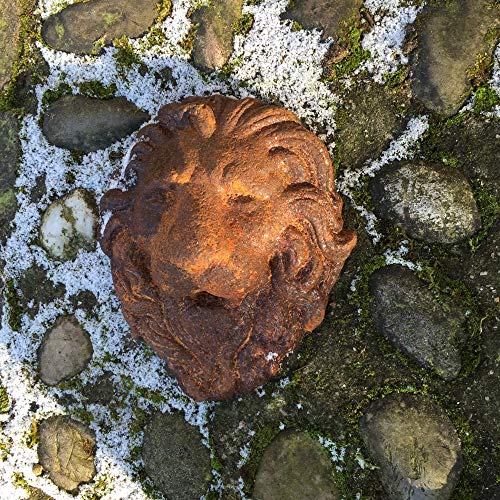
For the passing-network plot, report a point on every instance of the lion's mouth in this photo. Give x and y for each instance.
(205, 299)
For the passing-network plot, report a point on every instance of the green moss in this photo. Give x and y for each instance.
(485, 99)
(351, 40)
(243, 25)
(395, 79)
(32, 437)
(187, 43)
(489, 210)
(4, 400)
(125, 56)
(14, 302)
(51, 96)
(95, 88)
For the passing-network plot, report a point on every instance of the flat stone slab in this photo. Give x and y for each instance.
(10, 25)
(450, 37)
(86, 27)
(213, 45)
(88, 124)
(175, 458)
(329, 16)
(295, 467)
(406, 312)
(65, 351)
(66, 451)
(69, 225)
(9, 155)
(415, 445)
(434, 203)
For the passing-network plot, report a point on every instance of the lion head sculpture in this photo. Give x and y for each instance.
(225, 250)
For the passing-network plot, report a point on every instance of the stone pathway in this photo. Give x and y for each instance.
(396, 394)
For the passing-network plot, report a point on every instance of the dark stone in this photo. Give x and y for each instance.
(86, 27)
(65, 351)
(415, 445)
(214, 37)
(295, 467)
(450, 37)
(9, 154)
(10, 25)
(175, 458)
(226, 285)
(434, 203)
(102, 392)
(66, 450)
(89, 124)
(329, 16)
(366, 125)
(406, 312)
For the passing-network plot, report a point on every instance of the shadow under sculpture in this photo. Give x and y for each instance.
(225, 250)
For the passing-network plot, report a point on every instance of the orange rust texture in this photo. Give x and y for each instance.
(225, 250)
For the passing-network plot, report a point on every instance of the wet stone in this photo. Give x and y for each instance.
(86, 27)
(450, 37)
(415, 445)
(66, 450)
(329, 16)
(213, 45)
(9, 38)
(9, 153)
(294, 467)
(69, 225)
(65, 351)
(433, 203)
(406, 312)
(88, 124)
(367, 125)
(175, 458)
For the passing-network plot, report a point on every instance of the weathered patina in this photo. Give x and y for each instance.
(226, 248)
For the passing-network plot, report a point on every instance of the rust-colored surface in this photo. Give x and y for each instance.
(225, 250)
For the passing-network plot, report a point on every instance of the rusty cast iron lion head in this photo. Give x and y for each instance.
(225, 250)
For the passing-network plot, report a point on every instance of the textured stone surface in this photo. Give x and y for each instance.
(415, 445)
(9, 38)
(451, 36)
(66, 451)
(330, 16)
(231, 289)
(88, 124)
(102, 392)
(84, 28)
(367, 125)
(214, 37)
(9, 153)
(405, 310)
(69, 225)
(175, 458)
(433, 203)
(295, 467)
(65, 351)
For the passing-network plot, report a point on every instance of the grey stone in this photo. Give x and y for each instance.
(65, 351)
(295, 467)
(329, 16)
(450, 37)
(69, 225)
(88, 124)
(213, 45)
(415, 445)
(406, 312)
(367, 125)
(9, 38)
(433, 203)
(9, 154)
(66, 450)
(175, 458)
(85, 27)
